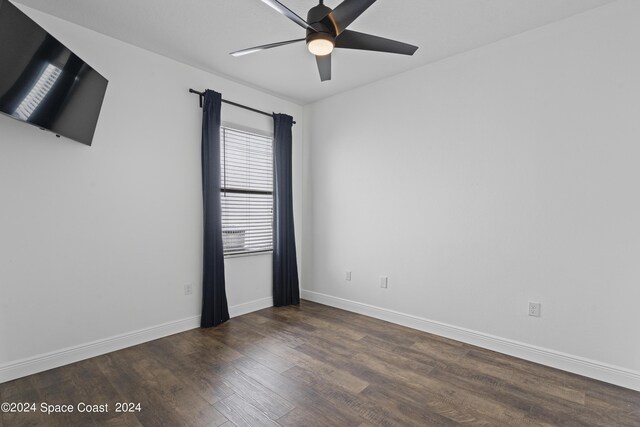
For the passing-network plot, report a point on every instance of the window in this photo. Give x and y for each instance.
(247, 191)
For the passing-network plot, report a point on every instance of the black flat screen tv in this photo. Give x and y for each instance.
(43, 83)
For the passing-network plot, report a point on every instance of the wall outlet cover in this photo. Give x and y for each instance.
(535, 309)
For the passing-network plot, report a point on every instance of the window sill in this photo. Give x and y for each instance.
(248, 254)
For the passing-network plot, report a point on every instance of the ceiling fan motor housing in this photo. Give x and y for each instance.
(318, 18)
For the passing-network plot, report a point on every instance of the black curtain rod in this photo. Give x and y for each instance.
(201, 95)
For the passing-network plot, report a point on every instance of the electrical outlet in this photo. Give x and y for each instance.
(534, 309)
(384, 282)
(348, 276)
(188, 289)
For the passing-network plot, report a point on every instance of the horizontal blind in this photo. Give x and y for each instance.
(247, 191)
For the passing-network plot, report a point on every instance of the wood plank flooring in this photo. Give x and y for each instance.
(314, 365)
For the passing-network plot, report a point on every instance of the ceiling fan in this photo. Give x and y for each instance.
(327, 29)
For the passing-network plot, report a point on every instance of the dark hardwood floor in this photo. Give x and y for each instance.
(314, 365)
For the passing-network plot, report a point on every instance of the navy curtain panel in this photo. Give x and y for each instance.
(285, 266)
(214, 297)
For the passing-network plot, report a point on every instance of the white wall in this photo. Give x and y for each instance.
(501, 176)
(98, 242)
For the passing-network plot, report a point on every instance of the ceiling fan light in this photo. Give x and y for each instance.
(320, 44)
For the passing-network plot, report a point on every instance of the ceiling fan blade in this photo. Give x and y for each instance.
(263, 47)
(347, 12)
(355, 40)
(275, 4)
(324, 67)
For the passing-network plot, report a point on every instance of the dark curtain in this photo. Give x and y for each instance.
(285, 266)
(214, 298)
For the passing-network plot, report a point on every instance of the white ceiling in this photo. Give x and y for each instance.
(201, 33)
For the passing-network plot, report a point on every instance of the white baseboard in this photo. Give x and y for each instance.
(32, 365)
(250, 307)
(566, 362)
(54, 359)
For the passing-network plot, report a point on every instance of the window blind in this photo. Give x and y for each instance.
(247, 191)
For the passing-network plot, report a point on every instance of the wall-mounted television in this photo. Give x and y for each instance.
(43, 83)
